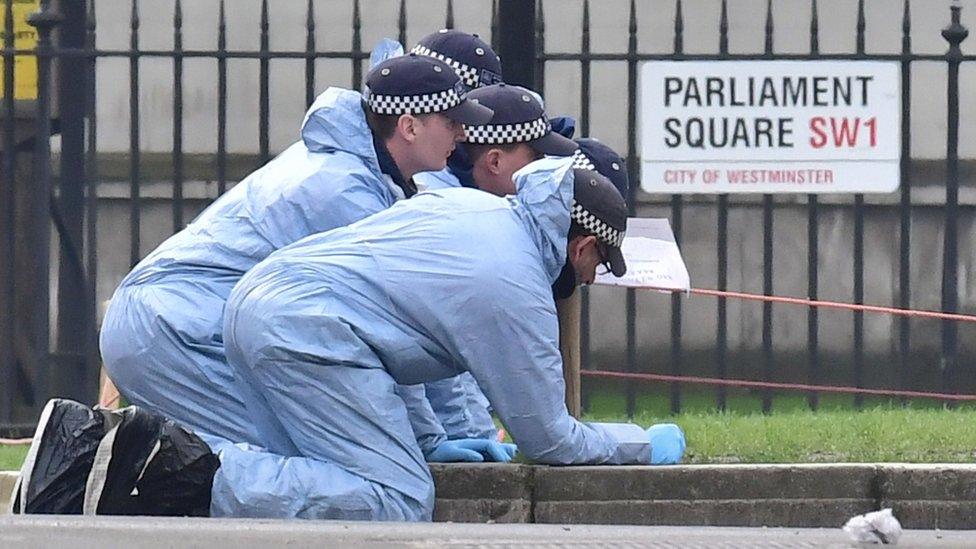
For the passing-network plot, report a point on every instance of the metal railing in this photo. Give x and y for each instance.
(954, 34)
(69, 199)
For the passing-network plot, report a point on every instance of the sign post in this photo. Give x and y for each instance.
(770, 127)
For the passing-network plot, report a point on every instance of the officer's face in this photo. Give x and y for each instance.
(494, 169)
(436, 137)
(585, 255)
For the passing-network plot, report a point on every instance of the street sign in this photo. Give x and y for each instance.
(25, 38)
(770, 126)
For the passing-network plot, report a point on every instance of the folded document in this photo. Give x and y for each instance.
(653, 258)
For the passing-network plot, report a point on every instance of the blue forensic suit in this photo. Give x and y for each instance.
(449, 281)
(459, 403)
(161, 339)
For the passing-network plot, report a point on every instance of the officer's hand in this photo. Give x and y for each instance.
(667, 443)
(472, 450)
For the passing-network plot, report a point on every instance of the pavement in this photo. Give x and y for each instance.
(923, 497)
(150, 533)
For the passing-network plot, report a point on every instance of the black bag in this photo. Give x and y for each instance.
(156, 467)
(114, 462)
(52, 479)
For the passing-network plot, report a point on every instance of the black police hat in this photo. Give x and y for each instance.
(600, 210)
(417, 84)
(594, 155)
(472, 59)
(519, 118)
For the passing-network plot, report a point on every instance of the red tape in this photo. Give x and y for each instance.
(773, 385)
(817, 303)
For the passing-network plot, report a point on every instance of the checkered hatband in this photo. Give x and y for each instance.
(596, 226)
(468, 74)
(413, 104)
(581, 161)
(499, 134)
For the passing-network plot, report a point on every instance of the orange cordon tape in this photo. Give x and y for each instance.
(797, 386)
(772, 385)
(824, 304)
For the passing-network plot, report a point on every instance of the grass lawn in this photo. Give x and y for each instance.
(11, 457)
(924, 432)
(884, 431)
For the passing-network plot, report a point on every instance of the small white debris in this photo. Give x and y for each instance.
(876, 527)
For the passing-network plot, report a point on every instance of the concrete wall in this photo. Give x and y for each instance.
(563, 23)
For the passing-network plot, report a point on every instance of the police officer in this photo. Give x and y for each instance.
(449, 281)
(477, 65)
(161, 339)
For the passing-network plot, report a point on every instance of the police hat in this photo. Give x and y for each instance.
(417, 84)
(518, 118)
(471, 58)
(594, 155)
(600, 210)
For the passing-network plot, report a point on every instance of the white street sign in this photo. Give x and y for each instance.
(770, 126)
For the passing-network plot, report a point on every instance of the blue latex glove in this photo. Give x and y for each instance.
(472, 449)
(667, 443)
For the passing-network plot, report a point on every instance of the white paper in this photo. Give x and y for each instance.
(877, 527)
(652, 256)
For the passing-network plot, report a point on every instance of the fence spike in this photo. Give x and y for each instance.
(8, 23)
(861, 26)
(814, 28)
(723, 29)
(134, 21)
(357, 45)
(906, 28)
(679, 26)
(449, 20)
(585, 73)
(310, 54)
(586, 26)
(310, 22)
(494, 25)
(540, 48)
(540, 22)
(222, 29)
(264, 95)
(769, 27)
(402, 23)
(221, 101)
(178, 116)
(90, 22)
(178, 15)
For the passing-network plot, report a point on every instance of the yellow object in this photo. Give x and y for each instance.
(25, 38)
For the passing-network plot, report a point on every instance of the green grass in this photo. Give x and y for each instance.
(610, 402)
(11, 457)
(884, 431)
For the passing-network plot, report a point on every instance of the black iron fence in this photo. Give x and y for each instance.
(35, 198)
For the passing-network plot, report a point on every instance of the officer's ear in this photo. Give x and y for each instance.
(577, 247)
(493, 161)
(407, 126)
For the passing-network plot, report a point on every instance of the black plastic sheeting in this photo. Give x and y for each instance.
(64, 458)
(156, 468)
(176, 481)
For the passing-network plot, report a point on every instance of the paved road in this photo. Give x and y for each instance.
(151, 533)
